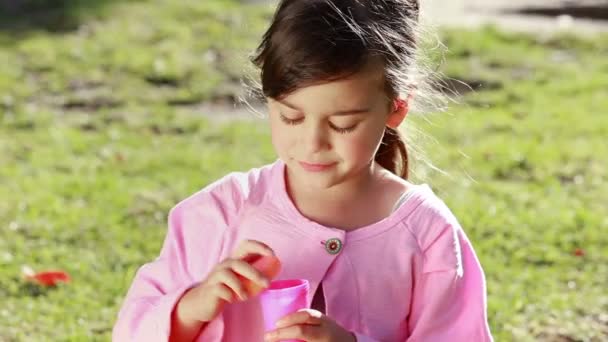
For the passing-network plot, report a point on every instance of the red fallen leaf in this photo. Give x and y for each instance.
(579, 252)
(49, 278)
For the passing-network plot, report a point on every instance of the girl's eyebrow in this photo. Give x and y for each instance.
(339, 113)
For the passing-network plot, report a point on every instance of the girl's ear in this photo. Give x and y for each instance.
(400, 110)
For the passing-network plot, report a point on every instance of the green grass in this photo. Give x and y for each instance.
(100, 135)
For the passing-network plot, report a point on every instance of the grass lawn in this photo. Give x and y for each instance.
(102, 132)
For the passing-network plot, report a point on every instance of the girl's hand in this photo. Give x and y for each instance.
(311, 326)
(224, 284)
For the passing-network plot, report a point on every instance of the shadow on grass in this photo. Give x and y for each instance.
(18, 17)
(33, 290)
(595, 11)
(459, 87)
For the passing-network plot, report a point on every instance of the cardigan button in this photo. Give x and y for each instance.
(333, 246)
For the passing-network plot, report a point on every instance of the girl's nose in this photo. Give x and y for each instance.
(316, 138)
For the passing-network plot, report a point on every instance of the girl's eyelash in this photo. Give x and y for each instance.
(343, 130)
(340, 130)
(291, 121)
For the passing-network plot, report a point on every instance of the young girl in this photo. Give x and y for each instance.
(385, 258)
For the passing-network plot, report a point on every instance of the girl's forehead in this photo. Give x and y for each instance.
(366, 84)
(348, 95)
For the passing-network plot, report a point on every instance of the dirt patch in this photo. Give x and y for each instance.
(539, 17)
(91, 103)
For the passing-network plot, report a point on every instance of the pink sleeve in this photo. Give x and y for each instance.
(191, 249)
(449, 296)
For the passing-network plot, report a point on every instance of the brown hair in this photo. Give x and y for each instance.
(312, 41)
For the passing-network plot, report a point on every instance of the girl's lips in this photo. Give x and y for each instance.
(316, 167)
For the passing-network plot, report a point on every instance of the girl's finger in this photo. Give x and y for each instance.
(252, 247)
(304, 316)
(246, 270)
(298, 332)
(230, 279)
(225, 293)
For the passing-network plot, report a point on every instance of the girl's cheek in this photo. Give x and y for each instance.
(350, 147)
(362, 145)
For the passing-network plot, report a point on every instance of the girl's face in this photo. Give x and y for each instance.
(329, 133)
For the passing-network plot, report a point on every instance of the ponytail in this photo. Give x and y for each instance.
(392, 154)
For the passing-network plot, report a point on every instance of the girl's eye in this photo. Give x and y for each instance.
(343, 130)
(291, 121)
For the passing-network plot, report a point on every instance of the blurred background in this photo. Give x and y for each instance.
(113, 111)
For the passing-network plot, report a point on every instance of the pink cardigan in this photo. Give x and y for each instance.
(412, 276)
